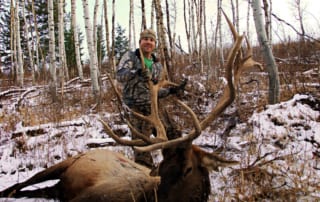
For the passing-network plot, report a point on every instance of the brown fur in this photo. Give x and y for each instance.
(98, 175)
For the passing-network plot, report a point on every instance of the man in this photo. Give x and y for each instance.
(136, 94)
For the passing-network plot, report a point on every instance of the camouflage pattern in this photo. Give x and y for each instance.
(136, 95)
(135, 90)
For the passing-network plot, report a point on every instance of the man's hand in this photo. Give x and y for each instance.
(179, 88)
(143, 74)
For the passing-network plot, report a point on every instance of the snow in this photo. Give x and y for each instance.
(286, 134)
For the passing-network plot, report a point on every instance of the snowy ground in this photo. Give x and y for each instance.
(280, 145)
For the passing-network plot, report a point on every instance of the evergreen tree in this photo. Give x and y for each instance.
(101, 49)
(121, 45)
(70, 50)
(5, 31)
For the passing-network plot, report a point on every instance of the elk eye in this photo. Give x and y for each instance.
(187, 171)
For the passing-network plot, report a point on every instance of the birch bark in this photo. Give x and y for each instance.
(76, 38)
(52, 55)
(92, 52)
(20, 71)
(271, 65)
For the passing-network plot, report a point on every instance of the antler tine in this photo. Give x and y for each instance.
(247, 62)
(232, 28)
(171, 143)
(229, 92)
(119, 140)
(154, 118)
(226, 99)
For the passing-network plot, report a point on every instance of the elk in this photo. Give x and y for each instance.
(183, 174)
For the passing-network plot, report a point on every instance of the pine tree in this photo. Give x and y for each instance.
(5, 33)
(121, 43)
(70, 50)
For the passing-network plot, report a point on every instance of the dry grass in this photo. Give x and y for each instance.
(251, 181)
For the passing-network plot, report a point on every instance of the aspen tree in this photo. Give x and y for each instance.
(143, 16)
(13, 41)
(162, 41)
(187, 29)
(52, 55)
(29, 46)
(92, 53)
(268, 58)
(63, 71)
(76, 38)
(112, 56)
(106, 27)
(20, 70)
(37, 40)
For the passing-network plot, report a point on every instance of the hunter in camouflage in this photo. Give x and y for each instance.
(135, 92)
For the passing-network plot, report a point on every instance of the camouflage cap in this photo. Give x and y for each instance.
(148, 33)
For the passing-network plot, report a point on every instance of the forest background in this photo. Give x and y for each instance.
(56, 67)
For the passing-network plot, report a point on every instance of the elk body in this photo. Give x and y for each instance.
(183, 175)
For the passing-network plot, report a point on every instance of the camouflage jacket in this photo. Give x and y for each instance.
(135, 90)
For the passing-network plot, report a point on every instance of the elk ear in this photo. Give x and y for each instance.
(212, 161)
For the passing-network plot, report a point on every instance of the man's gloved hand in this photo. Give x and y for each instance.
(143, 74)
(179, 88)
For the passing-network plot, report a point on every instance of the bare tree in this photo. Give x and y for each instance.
(112, 57)
(218, 39)
(37, 40)
(63, 71)
(92, 53)
(19, 69)
(300, 18)
(162, 40)
(267, 18)
(131, 25)
(29, 45)
(143, 16)
(187, 28)
(171, 21)
(76, 38)
(274, 83)
(52, 55)
(206, 37)
(106, 26)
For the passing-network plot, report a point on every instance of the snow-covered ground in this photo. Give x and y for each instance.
(278, 147)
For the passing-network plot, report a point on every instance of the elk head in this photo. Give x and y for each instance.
(185, 168)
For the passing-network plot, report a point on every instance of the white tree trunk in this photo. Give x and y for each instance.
(272, 68)
(63, 73)
(37, 41)
(92, 52)
(52, 55)
(20, 71)
(76, 38)
(29, 44)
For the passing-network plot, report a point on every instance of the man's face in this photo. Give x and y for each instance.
(147, 45)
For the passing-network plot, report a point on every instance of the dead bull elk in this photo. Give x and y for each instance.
(183, 175)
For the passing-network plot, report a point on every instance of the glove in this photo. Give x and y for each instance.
(143, 74)
(179, 88)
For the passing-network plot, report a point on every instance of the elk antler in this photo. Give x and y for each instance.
(235, 63)
(153, 118)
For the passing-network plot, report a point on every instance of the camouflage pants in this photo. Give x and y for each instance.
(143, 158)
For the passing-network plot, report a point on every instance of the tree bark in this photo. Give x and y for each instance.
(162, 41)
(76, 38)
(92, 53)
(63, 71)
(20, 71)
(52, 55)
(29, 46)
(143, 16)
(271, 65)
(106, 26)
